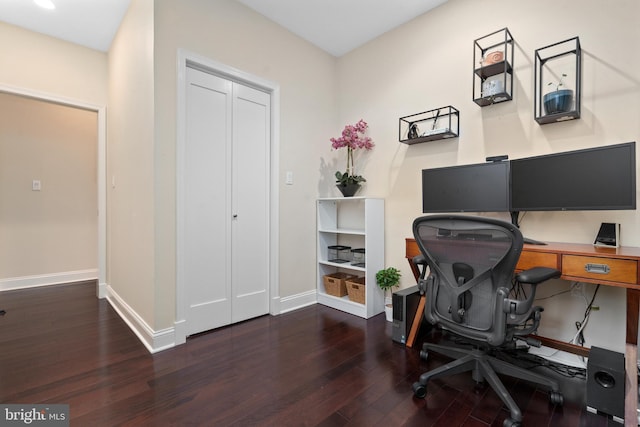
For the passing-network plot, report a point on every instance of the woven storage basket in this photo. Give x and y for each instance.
(356, 289)
(334, 284)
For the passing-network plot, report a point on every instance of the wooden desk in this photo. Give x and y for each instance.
(586, 263)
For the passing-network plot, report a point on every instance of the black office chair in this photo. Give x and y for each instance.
(470, 292)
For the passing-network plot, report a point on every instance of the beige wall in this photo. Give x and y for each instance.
(142, 138)
(50, 66)
(230, 33)
(54, 230)
(427, 63)
(43, 66)
(130, 165)
(424, 64)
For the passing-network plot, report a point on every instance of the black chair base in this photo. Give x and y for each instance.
(484, 367)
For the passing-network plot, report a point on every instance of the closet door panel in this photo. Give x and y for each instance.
(251, 159)
(207, 195)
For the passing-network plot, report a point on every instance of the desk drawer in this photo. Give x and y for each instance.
(530, 259)
(610, 269)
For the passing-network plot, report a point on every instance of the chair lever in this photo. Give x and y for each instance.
(423, 284)
(513, 307)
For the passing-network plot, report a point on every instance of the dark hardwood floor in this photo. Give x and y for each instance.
(312, 367)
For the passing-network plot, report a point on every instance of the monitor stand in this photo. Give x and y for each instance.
(529, 241)
(514, 220)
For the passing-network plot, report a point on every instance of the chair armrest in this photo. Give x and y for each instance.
(537, 275)
(421, 265)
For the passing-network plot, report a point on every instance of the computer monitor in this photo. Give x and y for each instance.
(601, 178)
(482, 187)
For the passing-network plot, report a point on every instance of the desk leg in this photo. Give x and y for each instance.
(417, 321)
(631, 357)
(414, 269)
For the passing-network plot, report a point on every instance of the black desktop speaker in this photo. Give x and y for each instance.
(605, 382)
(608, 235)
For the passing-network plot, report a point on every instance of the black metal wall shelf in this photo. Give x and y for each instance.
(559, 65)
(493, 68)
(429, 126)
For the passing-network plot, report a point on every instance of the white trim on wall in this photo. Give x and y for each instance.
(195, 60)
(154, 341)
(102, 162)
(25, 282)
(164, 339)
(295, 302)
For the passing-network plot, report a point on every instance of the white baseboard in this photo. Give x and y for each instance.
(180, 328)
(154, 341)
(297, 301)
(274, 306)
(47, 279)
(102, 290)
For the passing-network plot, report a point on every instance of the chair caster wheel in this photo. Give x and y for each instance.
(556, 398)
(424, 355)
(419, 390)
(511, 423)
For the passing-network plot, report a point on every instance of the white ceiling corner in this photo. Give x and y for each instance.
(339, 26)
(89, 23)
(336, 26)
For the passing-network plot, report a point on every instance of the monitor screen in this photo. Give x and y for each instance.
(482, 187)
(602, 178)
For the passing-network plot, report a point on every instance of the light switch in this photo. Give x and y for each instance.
(36, 185)
(288, 178)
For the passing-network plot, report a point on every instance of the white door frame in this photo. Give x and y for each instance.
(101, 287)
(205, 64)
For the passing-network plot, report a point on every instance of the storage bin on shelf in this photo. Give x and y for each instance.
(356, 289)
(335, 283)
(339, 254)
(358, 257)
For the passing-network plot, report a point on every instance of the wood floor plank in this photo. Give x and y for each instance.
(311, 367)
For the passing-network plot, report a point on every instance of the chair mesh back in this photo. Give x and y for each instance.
(469, 259)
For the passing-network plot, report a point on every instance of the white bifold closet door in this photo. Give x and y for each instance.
(226, 202)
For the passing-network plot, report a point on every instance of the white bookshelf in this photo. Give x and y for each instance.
(357, 222)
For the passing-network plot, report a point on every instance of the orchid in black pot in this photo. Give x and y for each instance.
(352, 138)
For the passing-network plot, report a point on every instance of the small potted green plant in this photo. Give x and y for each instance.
(559, 100)
(388, 279)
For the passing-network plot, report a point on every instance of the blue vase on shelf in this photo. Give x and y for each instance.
(558, 101)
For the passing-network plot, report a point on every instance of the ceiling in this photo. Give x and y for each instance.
(90, 23)
(339, 26)
(336, 26)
